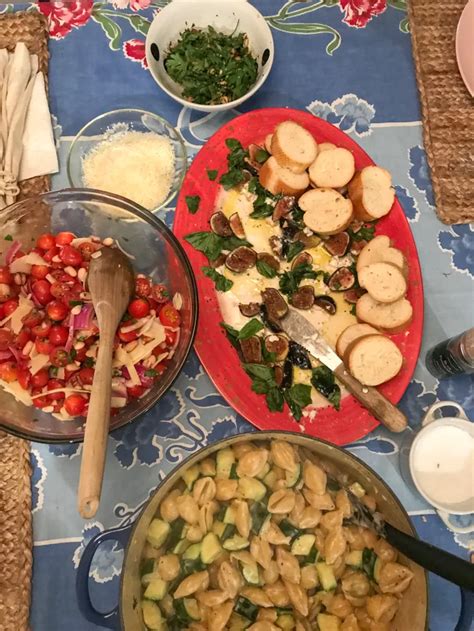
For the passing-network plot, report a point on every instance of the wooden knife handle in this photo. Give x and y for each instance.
(376, 403)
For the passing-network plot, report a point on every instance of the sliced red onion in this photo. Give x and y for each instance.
(12, 250)
(83, 320)
(16, 354)
(72, 328)
(5, 356)
(146, 381)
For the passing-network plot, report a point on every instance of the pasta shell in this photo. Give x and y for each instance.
(310, 518)
(323, 502)
(271, 533)
(381, 608)
(309, 577)
(169, 507)
(242, 517)
(339, 606)
(369, 501)
(263, 625)
(208, 467)
(206, 516)
(204, 490)
(252, 463)
(331, 520)
(278, 594)
(229, 579)
(218, 616)
(356, 585)
(242, 448)
(298, 509)
(385, 551)
(261, 551)
(194, 534)
(334, 545)
(350, 623)
(343, 503)
(188, 508)
(243, 556)
(192, 584)
(168, 567)
(394, 578)
(288, 566)
(226, 489)
(283, 455)
(270, 574)
(281, 502)
(267, 614)
(212, 597)
(314, 477)
(298, 597)
(257, 596)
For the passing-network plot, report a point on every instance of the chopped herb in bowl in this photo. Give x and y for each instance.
(211, 67)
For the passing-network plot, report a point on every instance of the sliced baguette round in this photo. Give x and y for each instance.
(332, 169)
(326, 146)
(393, 316)
(293, 146)
(374, 359)
(268, 143)
(379, 250)
(325, 210)
(384, 282)
(352, 333)
(277, 179)
(371, 193)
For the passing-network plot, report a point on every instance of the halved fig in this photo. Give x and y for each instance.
(283, 207)
(298, 356)
(251, 350)
(279, 345)
(327, 303)
(220, 260)
(303, 298)
(342, 279)
(338, 244)
(358, 246)
(256, 152)
(270, 260)
(241, 259)
(278, 375)
(220, 224)
(352, 295)
(275, 304)
(356, 225)
(309, 241)
(236, 226)
(304, 258)
(250, 310)
(276, 245)
(269, 321)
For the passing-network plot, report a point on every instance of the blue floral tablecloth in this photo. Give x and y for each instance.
(347, 61)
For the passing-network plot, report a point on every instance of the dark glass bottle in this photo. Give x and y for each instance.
(453, 356)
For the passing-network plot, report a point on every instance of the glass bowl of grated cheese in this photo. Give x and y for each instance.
(132, 153)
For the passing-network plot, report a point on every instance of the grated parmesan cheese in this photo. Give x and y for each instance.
(137, 165)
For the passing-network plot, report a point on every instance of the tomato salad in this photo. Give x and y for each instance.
(49, 334)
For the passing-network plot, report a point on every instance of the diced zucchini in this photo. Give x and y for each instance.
(221, 512)
(190, 476)
(157, 532)
(264, 472)
(286, 622)
(210, 548)
(357, 489)
(311, 557)
(236, 543)
(156, 590)
(225, 459)
(176, 533)
(377, 567)
(302, 545)
(181, 546)
(245, 608)
(233, 472)
(289, 530)
(193, 552)
(251, 574)
(333, 485)
(152, 615)
(252, 489)
(147, 566)
(237, 623)
(293, 477)
(187, 610)
(229, 532)
(328, 623)
(326, 577)
(146, 579)
(368, 562)
(258, 514)
(270, 479)
(229, 517)
(191, 566)
(354, 559)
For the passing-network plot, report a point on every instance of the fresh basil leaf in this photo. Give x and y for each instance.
(265, 269)
(232, 335)
(297, 217)
(251, 328)
(260, 387)
(212, 174)
(192, 202)
(324, 382)
(366, 233)
(233, 144)
(221, 283)
(335, 397)
(289, 281)
(261, 372)
(252, 185)
(275, 399)
(294, 249)
(208, 243)
(231, 243)
(297, 398)
(352, 310)
(261, 156)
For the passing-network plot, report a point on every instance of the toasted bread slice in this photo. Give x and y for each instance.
(384, 282)
(325, 210)
(352, 333)
(332, 169)
(372, 193)
(393, 316)
(326, 146)
(293, 146)
(378, 250)
(374, 359)
(277, 179)
(268, 143)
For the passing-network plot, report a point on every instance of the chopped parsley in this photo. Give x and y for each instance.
(192, 202)
(261, 206)
(75, 303)
(150, 373)
(89, 362)
(220, 281)
(8, 237)
(366, 233)
(235, 164)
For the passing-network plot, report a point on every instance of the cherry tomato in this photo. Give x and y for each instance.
(135, 391)
(87, 250)
(142, 287)
(70, 256)
(127, 337)
(49, 254)
(6, 339)
(40, 379)
(42, 346)
(64, 238)
(57, 310)
(18, 255)
(39, 271)
(170, 337)
(75, 404)
(59, 290)
(34, 318)
(59, 357)
(39, 402)
(139, 308)
(2, 311)
(54, 384)
(42, 291)
(86, 376)
(23, 337)
(10, 306)
(24, 378)
(46, 241)
(58, 335)
(5, 275)
(81, 354)
(42, 330)
(169, 316)
(8, 371)
(160, 293)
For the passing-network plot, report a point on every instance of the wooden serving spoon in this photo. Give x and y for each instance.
(111, 285)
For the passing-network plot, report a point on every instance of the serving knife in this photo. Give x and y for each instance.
(301, 331)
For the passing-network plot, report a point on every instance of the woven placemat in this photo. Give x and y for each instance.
(31, 28)
(447, 107)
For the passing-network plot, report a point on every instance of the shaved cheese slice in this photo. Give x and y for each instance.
(142, 351)
(134, 326)
(17, 391)
(23, 309)
(157, 332)
(122, 358)
(24, 263)
(118, 402)
(38, 362)
(65, 390)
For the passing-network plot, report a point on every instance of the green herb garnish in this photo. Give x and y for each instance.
(72, 354)
(263, 382)
(298, 397)
(192, 202)
(212, 174)
(352, 310)
(368, 562)
(211, 67)
(53, 371)
(265, 269)
(235, 164)
(289, 281)
(212, 245)
(150, 373)
(261, 206)
(8, 237)
(252, 327)
(220, 281)
(366, 233)
(261, 156)
(295, 248)
(324, 382)
(75, 303)
(89, 362)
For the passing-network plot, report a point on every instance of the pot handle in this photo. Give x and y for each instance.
(431, 415)
(109, 619)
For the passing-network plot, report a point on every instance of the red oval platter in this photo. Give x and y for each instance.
(217, 355)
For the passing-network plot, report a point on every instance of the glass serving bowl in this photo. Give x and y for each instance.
(156, 253)
(117, 121)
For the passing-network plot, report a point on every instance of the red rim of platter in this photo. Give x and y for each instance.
(218, 357)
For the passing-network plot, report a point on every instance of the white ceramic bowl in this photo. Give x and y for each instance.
(226, 16)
